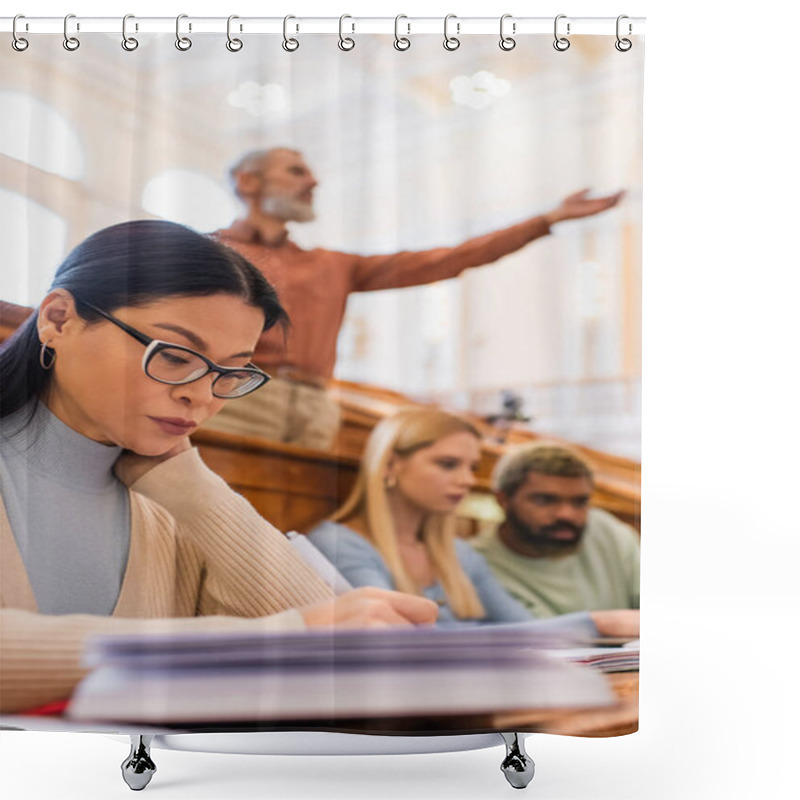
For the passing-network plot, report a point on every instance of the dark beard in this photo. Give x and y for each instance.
(542, 540)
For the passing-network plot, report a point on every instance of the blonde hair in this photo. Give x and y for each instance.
(402, 435)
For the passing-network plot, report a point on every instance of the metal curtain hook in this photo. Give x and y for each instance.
(507, 42)
(451, 42)
(182, 42)
(289, 45)
(234, 45)
(71, 43)
(561, 43)
(346, 43)
(17, 42)
(623, 45)
(128, 42)
(401, 42)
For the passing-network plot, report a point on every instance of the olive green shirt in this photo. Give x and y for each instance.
(602, 574)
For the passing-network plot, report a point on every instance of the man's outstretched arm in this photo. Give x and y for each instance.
(413, 268)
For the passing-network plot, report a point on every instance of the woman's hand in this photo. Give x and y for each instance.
(370, 607)
(619, 622)
(130, 466)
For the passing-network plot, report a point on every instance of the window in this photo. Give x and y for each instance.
(189, 197)
(32, 244)
(33, 132)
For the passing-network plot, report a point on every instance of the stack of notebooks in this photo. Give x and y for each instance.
(622, 657)
(319, 675)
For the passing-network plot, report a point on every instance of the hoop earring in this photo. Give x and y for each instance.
(389, 482)
(43, 353)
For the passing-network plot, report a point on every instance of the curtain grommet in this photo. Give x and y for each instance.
(182, 43)
(623, 45)
(234, 45)
(451, 43)
(289, 44)
(70, 43)
(346, 43)
(507, 43)
(401, 43)
(19, 43)
(561, 43)
(129, 43)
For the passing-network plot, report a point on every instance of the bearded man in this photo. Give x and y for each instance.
(277, 187)
(554, 552)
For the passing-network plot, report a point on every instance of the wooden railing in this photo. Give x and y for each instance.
(11, 317)
(617, 479)
(293, 487)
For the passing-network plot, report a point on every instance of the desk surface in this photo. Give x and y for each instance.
(613, 721)
(616, 720)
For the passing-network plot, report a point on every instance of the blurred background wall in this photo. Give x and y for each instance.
(412, 150)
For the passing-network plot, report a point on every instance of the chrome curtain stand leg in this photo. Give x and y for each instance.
(138, 768)
(517, 766)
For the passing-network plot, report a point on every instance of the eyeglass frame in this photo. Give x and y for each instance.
(154, 346)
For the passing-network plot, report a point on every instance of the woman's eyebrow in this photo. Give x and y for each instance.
(199, 343)
(196, 340)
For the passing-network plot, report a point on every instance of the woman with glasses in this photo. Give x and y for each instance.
(397, 529)
(110, 522)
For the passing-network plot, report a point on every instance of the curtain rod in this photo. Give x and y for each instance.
(348, 25)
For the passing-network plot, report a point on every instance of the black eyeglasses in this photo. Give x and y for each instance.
(174, 364)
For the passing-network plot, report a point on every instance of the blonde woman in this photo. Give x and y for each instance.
(397, 528)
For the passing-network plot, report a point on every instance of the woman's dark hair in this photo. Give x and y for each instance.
(133, 264)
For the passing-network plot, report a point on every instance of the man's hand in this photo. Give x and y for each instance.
(130, 466)
(369, 607)
(579, 205)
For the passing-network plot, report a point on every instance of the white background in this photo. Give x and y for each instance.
(719, 701)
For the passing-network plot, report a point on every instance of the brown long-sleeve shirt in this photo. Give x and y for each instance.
(313, 285)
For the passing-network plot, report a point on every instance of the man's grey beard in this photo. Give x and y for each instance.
(288, 209)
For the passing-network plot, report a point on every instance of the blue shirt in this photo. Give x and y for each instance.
(362, 565)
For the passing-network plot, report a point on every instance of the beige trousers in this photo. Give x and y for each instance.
(284, 411)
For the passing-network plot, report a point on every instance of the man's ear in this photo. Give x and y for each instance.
(248, 185)
(57, 316)
(503, 499)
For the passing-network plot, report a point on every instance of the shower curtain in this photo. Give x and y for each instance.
(409, 145)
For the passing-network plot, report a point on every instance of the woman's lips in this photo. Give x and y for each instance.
(174, 426)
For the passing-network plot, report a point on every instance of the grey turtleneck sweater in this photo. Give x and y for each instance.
(75, 561)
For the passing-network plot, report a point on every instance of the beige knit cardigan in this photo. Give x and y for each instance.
(200, 557)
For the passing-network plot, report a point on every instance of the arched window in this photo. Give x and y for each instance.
(35, 133)
(189, 197)
(32, 244)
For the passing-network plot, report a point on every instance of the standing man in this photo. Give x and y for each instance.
(277, 187)
(554, 552)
